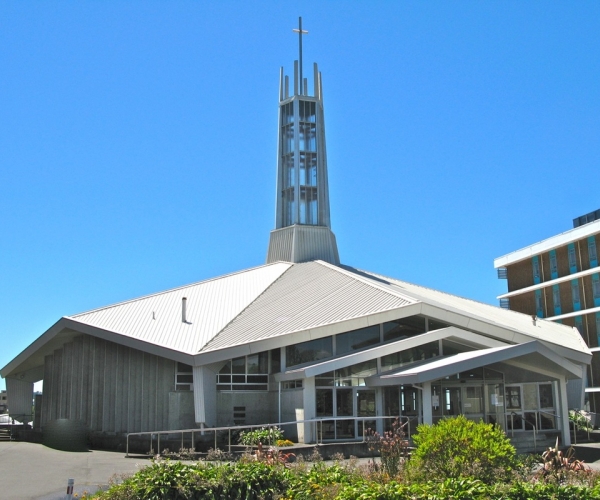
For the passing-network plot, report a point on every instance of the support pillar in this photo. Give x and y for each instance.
(306, 432)
(564, 412)
(427, 407)
(205, 396)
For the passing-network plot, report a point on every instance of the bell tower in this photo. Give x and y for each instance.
(302, 223)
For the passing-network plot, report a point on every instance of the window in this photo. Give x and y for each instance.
(546, 396)
(275, 360)
(596, 289)
(553, 265)
(305, 352)
(579, 324)
(409, 356)
(575, 293)
(556, 298)
(539, 305)
(291, 384)
(536, 269)
(184, 378)
(246, 373)
(572, 258)
(357, 339)
(324, 402)
(592, 251)
(513, 398)
(403, 328)
(432, 324)
(351, 376)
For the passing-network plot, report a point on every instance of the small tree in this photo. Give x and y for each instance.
(392, 446)
(458, 447)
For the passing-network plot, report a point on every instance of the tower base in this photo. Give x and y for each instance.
(300, 243)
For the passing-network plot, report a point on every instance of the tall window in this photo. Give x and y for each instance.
(556, 299)
(553, 265)
(592, 251)
(575, 293)
(579, 324)
(596, 289)
(572, 258)
(535, 261)
(539, 305)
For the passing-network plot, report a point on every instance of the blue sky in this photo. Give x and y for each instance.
(138, 141)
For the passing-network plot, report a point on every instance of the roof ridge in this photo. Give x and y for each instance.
(170, 290)
(249, 304)
(344, 269)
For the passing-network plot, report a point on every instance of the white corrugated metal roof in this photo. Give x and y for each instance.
(548, 331)
(308, 295)
(281, 299)
(211, 305)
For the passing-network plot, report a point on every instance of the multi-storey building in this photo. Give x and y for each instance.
(558, 279)
(3, 401)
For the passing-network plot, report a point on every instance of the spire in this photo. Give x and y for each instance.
(300, 32)
(303, 226)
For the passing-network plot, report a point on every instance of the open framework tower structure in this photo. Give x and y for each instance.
(303, 227)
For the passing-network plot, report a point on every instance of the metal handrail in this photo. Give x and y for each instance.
(316, 422)
(576, 426)
(18, 417)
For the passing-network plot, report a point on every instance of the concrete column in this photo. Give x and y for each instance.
(306, 432)
(564, 412)
(205, 396)
(426, 399)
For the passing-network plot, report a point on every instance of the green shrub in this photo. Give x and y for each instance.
(458, 447)
(166, 480)
(264, 435)
(580, 421)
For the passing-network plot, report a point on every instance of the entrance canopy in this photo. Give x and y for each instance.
(532, 356)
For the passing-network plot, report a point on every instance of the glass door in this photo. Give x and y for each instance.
(365, 407)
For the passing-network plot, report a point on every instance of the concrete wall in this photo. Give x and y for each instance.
(109, 386)
(257, 404)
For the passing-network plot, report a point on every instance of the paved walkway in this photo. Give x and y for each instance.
(33, 471)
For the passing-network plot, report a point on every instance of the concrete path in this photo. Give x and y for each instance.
(33, 471)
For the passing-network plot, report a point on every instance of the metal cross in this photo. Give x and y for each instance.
(300, 32)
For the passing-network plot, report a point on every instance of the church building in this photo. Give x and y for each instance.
(302, 338)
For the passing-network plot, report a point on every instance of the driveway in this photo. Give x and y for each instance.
(33, 471)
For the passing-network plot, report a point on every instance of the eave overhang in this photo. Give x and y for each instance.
(28, 362)
(524, 356)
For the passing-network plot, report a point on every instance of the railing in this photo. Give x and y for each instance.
(535, 430)
(534, 426)
(576, 426)
(316, 424)
(24, 418)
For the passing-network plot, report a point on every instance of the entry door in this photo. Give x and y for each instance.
(452, 401)
(365, 407)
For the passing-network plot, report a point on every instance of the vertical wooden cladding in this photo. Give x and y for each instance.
(111, 387)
